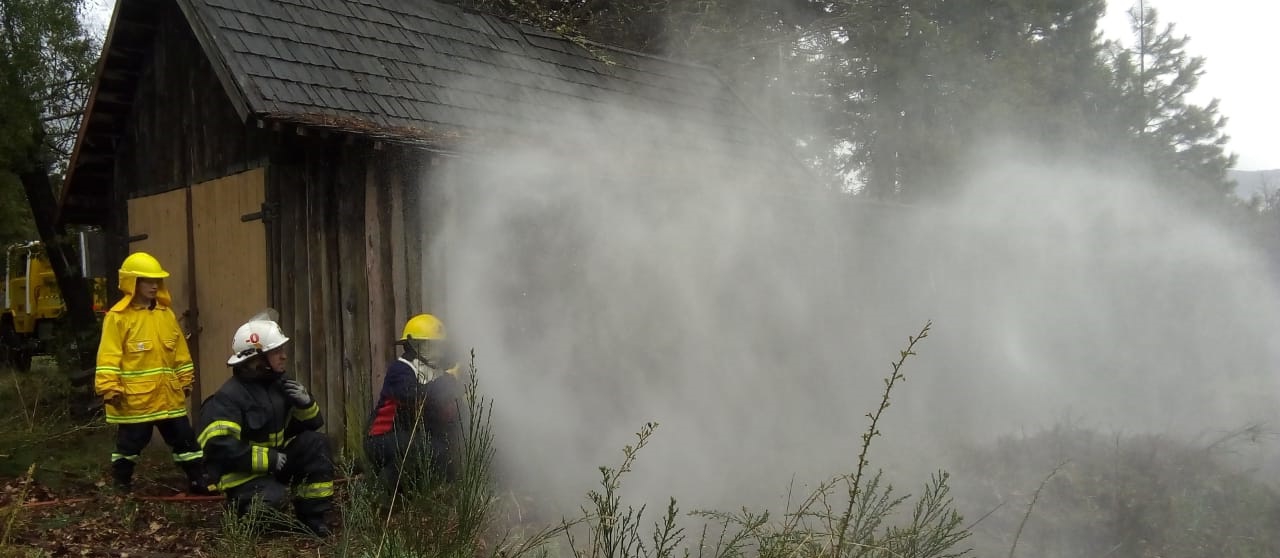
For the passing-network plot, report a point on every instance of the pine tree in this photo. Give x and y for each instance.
(1183, 143)
(920, 81)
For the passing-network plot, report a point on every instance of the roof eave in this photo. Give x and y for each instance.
(443, 142)
(86, 114)
(235, 89)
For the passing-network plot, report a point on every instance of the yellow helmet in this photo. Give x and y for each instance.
(142, 264)
(423, 326)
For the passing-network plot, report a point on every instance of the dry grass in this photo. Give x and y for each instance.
(1065, 492)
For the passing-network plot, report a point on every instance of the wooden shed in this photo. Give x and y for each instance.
(278, 153)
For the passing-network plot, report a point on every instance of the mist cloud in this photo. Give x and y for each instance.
(606, 278)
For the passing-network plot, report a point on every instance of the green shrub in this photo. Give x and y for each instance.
(1118, 496)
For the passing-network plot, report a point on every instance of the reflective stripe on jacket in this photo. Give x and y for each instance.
(143, 356)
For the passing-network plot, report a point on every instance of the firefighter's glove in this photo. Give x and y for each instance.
(281, 459)
(113, 398)
(297, 394)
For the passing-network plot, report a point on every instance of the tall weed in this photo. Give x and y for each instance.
(852, 515)
(428, 516)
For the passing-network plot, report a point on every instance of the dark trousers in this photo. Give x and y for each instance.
(401, 465)
(392, 456)
(177, 433)
(308, 470)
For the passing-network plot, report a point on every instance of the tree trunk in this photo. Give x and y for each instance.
(75, 290)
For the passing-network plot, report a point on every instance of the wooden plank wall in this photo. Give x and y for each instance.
(303, 238)
(346, 233)
(182, 128)
(395, 256)
(353, 291)
(410, 195)
(435, 198)
(377, 275)
(397, 182)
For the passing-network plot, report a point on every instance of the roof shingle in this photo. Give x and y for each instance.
(405, 64)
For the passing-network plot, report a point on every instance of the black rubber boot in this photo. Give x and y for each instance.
(122, 475)
(315, 525)
(198, 481)
(311, 512)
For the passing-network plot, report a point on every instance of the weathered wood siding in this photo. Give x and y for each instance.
(182, 129)
(426, 254)
(343, 279)
(345, 258)
(303, 239)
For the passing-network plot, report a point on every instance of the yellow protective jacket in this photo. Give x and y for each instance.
(143, 356)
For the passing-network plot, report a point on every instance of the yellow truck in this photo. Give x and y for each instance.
(33, 305)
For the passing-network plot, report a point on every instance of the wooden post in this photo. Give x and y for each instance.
(397, 181)
(298, 199)
(377, 272)
(317, 288)
(353, 288)
(332, 366)
(193, 307)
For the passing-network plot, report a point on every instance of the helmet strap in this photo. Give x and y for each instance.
(421, 366)
(262, 368)
(411, 351)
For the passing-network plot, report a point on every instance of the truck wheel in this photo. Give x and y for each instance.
(22, 360)
(10, 344)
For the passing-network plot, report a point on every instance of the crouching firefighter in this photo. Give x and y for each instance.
(417, 424)
(259, 434)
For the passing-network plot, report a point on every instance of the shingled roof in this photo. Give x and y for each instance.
(427, 70)
(417, 71)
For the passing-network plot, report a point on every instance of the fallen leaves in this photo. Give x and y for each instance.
(91, 520)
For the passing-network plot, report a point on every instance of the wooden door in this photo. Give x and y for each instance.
(230, 266)
(158, 226)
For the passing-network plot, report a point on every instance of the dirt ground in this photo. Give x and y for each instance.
(55, 494)
(86, 519)
(56, 497)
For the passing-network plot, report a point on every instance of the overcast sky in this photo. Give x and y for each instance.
(1238, 40)
(1237, 37)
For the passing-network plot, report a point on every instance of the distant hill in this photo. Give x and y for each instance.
(1249, 183)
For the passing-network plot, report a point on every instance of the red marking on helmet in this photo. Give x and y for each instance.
(253, 338)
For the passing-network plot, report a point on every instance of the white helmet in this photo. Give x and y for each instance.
(254, 338)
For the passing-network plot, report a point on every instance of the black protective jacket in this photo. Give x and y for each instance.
(245, 424)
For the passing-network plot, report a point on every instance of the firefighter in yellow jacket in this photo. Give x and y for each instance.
(144, 374)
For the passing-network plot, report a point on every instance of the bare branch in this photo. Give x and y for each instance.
(60, 116)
